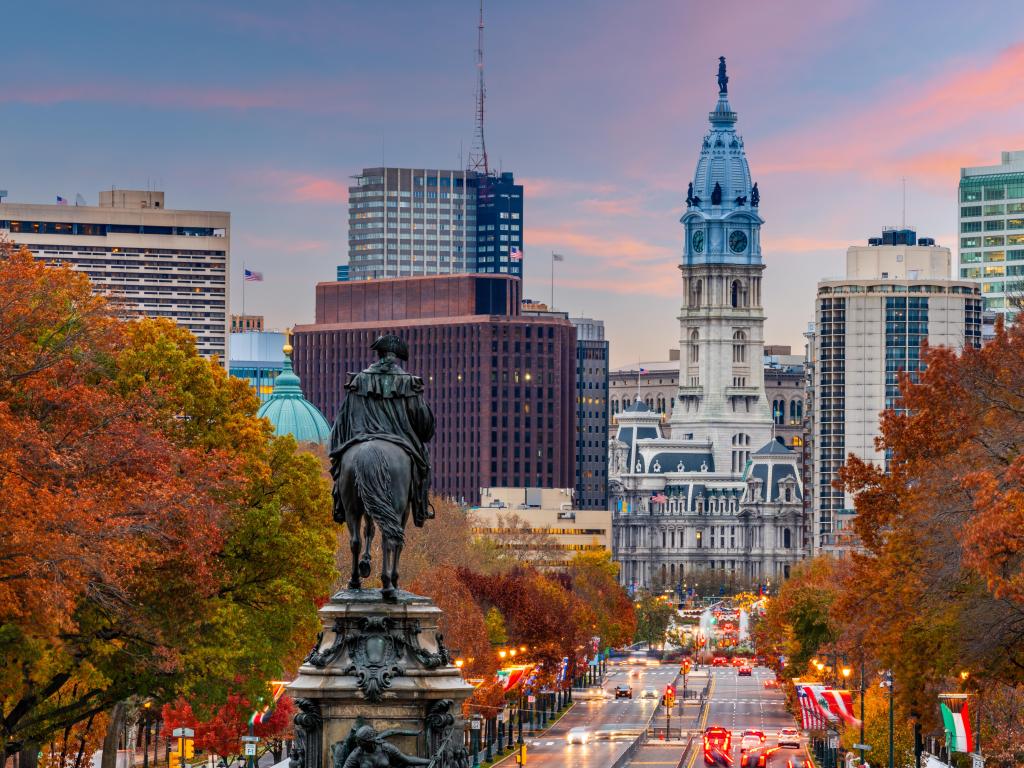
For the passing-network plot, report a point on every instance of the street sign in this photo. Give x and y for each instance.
(865, 747)
(833, 742)
(531, 699)
(977, 761)
(253, 739)
(186, 733)
(250, 750)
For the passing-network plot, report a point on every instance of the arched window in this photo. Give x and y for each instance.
(697, 293)
(694, 346)
(615, 406)
(739, 347)
(779, 411)
(649, 402)
(796, 411)
(661, 403)
(787, 539)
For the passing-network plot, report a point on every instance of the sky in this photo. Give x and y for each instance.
(266, 109)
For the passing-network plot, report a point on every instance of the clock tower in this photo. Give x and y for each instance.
(721, 378)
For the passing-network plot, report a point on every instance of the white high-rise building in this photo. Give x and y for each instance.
(149, 260)
(869, 327)
(992, 231)
(722, 494)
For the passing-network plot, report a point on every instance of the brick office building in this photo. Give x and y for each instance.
(501, 385)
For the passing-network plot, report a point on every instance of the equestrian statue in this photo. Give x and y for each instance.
(379, 461)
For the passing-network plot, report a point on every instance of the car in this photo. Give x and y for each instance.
(771, 682)
(745, 672)
(593, 693)
(739, 661)
(623, 692)
(649, 693)
(717, 745)
(719, 661)
(577, 735)
(749, 741)
(755, 758)
(634, 673)
(652, 662)
(789, 737)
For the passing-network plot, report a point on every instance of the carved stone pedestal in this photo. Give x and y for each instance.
(386, 665)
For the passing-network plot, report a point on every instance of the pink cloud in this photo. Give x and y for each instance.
(615, 248)
(929, 130)
(299, 187)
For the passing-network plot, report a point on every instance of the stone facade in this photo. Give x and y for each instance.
(715, 491)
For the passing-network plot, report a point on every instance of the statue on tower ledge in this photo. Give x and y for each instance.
(723, 79)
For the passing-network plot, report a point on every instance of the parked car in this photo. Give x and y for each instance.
(623, 692)
(789, 737)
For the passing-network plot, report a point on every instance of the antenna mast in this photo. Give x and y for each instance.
(478, 155)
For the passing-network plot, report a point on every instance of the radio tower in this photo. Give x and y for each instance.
(478, 154)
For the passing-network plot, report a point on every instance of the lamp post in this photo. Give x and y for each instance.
(889, 684)
(862, 707)
(145, 722)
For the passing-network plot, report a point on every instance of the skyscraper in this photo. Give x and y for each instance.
(992, 231)
(869, 327)
(149, 260)
(720, 494)
(500, 383)
(407, 222)
(591, 414)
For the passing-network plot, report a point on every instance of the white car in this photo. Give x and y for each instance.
(789, 737)
(594, 693)
(577, 735)
(649, 693)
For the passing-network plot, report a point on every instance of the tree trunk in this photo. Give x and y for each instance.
(29, 755)
(113, 737)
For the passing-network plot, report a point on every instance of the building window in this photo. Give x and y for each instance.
(694, 346)
(787, 538)
(779, 411)
(796, 412)
(740, 452)
(739, 346)
(697, 293)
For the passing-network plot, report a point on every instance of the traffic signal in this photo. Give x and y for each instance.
(670, 695)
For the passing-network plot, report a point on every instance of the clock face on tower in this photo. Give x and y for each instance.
(697, 241)
(737, 241)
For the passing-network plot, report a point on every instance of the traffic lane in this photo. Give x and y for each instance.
(613, 723)
(741, 703)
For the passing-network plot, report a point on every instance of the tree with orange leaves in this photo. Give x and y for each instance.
(154, 537)
(221, 732)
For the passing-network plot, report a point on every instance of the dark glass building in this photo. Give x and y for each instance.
(501, 384)
(591, 414)
(499, 225)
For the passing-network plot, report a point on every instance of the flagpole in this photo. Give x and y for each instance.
(638, 378)
(243, 288)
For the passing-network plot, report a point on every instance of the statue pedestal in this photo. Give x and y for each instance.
(384, 665)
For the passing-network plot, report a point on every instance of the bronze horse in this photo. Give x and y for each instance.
(374, 487)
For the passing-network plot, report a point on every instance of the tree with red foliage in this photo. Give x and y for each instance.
(221, 733)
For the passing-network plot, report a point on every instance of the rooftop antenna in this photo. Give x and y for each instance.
(478, 154)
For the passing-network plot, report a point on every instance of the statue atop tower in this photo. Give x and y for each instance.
(723, 79)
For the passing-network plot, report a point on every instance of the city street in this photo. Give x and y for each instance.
(613, 724)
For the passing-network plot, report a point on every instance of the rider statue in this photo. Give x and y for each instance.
(386, 403)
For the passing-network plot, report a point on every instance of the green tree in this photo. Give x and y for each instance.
(653, 616)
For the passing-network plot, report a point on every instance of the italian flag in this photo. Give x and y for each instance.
(958, 727)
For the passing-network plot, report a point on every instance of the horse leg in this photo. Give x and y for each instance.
(387, 566)
(394, 565)
(355, 545)
(364, 562)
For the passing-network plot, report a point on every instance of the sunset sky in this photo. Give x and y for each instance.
(265, 109)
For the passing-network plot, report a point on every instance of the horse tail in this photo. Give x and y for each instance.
(373, 484)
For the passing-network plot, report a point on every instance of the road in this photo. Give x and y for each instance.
(739, 703)
(613, 723)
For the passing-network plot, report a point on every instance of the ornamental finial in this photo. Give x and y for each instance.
(723, 79)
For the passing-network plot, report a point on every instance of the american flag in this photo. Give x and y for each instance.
(61, 200)
(515, 253)
(812, 721)
(253, 277)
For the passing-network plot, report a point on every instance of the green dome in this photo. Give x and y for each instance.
(291, 413)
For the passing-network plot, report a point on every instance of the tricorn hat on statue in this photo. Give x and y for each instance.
(389, 342)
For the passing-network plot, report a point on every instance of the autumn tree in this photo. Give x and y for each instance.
(220, 732)
(154, 538)
(594, 578)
